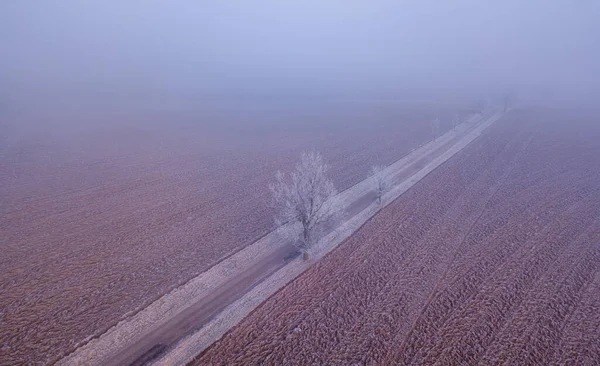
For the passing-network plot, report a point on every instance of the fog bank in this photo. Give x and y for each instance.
(548, 49)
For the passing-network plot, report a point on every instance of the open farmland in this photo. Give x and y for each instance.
(105, 209)
(494, 258)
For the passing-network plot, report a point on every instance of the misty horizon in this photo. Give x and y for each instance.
(536, 48)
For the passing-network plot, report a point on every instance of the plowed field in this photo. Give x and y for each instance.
(494, 258)
(105, 209)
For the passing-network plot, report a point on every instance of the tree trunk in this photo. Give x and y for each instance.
(305, 255)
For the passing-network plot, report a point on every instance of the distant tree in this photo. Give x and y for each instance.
(306, 201)
(436, 128)
(488, 104)
(480, 106)
(380, 182)
(507, 100)
(456, 121)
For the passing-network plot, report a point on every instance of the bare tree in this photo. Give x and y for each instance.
(380, 182)
(488, 104)
(305, 201)
(507, 100)
(436, 128)
(456, 121)
(479, 106)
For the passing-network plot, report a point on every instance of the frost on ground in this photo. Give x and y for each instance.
(103, 211)
(494, 258)
(145, 329)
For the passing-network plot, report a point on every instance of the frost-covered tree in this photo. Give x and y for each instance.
(507, 100)
(456, 121)
(380, 182)
(480, 106)
(305, 201)
(436, 128)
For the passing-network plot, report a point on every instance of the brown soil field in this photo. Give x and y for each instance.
(104, 209)
(493, 258)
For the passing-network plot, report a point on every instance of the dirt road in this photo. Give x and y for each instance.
(491, 259)
(121, 346)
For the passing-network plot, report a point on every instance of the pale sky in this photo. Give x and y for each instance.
(309, 44)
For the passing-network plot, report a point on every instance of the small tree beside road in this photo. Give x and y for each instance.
(305, 201)
(380, 183)
(507, 101)
(456, 121)
(436, 128)
(480, 106)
